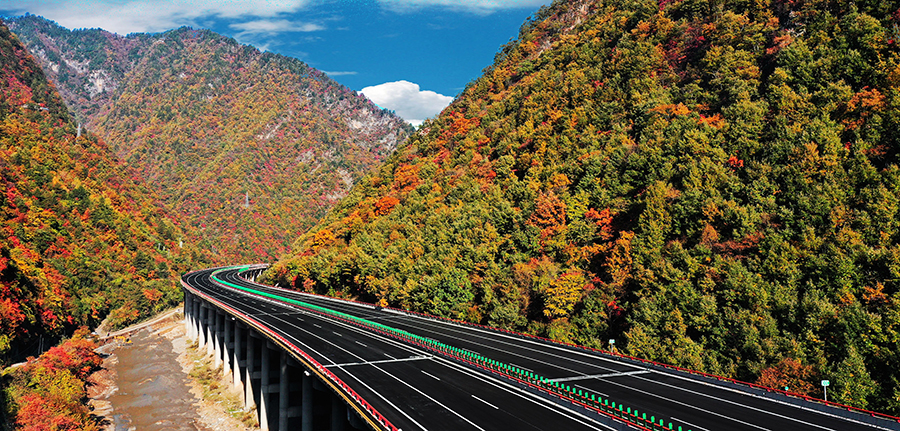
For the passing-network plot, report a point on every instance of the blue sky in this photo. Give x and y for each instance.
(411, 56)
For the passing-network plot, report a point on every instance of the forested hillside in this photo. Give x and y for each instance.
(79, 239)
(248, 149)
(85, 65)
(712, 184)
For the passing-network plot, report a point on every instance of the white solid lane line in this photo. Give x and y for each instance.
(479, 399)
(429, 375)
(600, 376)
(387, 401)
(386, 361)
(450, 327)
(429, 397)
(558, 409)
(386, 373)
(505, 386)
(520, 367)
(693, 427)
(687, 405)
(593, 391)
(528, 396)
(736, 404)
(491, 380)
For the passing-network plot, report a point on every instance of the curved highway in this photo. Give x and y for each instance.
(418, 387)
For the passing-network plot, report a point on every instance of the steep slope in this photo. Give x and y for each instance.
(248, 148)
(86, 65)
(713, 186)
(79, 240)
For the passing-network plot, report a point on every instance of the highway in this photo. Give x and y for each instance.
(417, 388)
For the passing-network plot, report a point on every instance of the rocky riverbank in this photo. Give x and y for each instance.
(147, 385)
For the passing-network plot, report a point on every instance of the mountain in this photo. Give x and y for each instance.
(247, 149)
(712, 185)
(86, 65)
(80, 240)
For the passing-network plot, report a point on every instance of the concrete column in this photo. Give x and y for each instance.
(338, 413)
(210, 330)
(217, 338)
(197, 321)
(204, 327)
(226, 346)
(187, 314)
(236, 362)
(249, 399)
(283, 393)
(207, 327)
(264, 388)
(306, 412)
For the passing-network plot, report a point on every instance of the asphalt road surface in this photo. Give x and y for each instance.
(416, 389)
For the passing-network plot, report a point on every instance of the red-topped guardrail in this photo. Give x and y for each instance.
(365, 409)
(709, 376)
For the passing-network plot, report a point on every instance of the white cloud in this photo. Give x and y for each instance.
(130, 16)
(275, 26)
(482, 7)
(407, 100)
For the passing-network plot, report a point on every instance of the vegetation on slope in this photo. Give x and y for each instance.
(712, 184)
(79, 239)
(48, 393)
(86, 65)
(248, 149)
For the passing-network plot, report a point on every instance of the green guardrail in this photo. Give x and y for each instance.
(590, 400)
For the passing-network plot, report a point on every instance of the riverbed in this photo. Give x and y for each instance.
(147, 385)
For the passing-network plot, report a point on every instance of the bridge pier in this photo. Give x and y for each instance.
(264, 379)
(213, 324)
(198, 325)
(338, 414)
(206, 325)
(188, 324)
(302, 403)
(237, 362)
(250, 374)
(201, 326)
(227, 346)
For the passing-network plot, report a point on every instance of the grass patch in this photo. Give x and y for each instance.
(215, 388)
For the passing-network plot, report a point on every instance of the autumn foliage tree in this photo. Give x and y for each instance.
(48, 393)
(246, 147)
(715, 187)
(79, 239)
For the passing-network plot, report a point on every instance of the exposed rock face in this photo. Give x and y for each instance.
(206, 121)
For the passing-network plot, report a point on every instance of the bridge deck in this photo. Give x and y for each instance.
(419, 390)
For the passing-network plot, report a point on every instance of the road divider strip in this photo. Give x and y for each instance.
(324, 373)
(588, 401)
